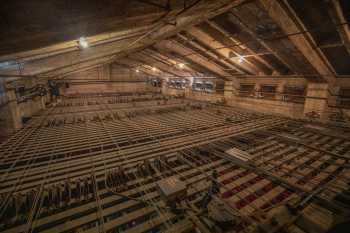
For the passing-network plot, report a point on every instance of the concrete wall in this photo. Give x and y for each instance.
(275, 81)
(3, 97)
(195, 95)
(232, 98)
(12, 112)
(286, 109)
(172, 91)
(5, 116)
(30, 107)
(203, 96)
(317, 100)
(273, 106)
(320, 99)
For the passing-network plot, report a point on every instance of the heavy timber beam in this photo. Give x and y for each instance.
(338, 18)
(62, 61)
(203, 50)
(132, 64)
(231, 44)
(139, 21)
(183, 56)
(70, 46)
(164, 64)
(282, 49)
(224, 53)
(189, 67)
(41, 45)
(207, 51)
(195, 58)
(71, 68)
(67, 21)
(170, 62)
(163, 70)
(283, 15)
(148, 60)
(81, 69)
(17, 76)
(141, 69)
(162, 31)
(166, 7)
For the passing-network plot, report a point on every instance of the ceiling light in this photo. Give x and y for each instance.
(181, 65)
(154, 69)
(240, 59)
(8, 64)
(137, 70)
(83, 43)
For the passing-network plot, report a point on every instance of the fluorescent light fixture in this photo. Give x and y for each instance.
(8, 64)
(83, 43)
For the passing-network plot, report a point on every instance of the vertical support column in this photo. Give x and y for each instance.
(232, 89)
(279, 92)
(228, 90)
(164, 87)
(257, 89)
(105, 72)
(316, 103)
(335, 113)
(42, 102)
(28, 107)
(108, 71)
(38, 104)
(188, 92)
(333, 95)
(14, 110)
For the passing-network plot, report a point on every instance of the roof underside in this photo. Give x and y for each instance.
(222, 39)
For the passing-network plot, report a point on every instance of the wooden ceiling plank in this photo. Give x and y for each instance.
(338, 18)
(284, 16)
(238, 49)
(63, 60)
(188, 66)
(209, 54)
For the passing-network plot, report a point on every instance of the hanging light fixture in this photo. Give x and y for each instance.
(181, 65)
(83, 43)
